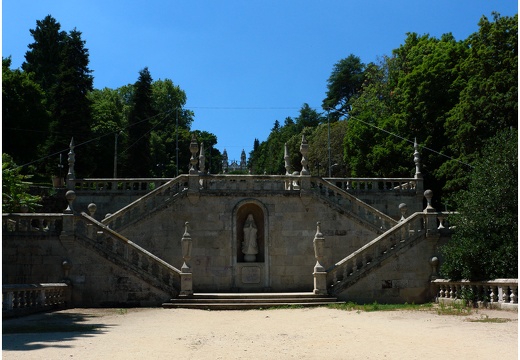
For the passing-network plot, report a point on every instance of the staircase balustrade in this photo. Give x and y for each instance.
(354, 185)
(350, 269)
(117, 185)
(32, 224)
(250, 183)
(150, 202)
(365, 213)
(124, 252)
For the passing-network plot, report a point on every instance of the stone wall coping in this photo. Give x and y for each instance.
(496, 281)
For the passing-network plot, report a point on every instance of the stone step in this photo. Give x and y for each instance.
(243, 301)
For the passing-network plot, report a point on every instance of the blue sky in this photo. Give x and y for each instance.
(243, 64)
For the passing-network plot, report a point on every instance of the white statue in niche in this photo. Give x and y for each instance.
(250, 245)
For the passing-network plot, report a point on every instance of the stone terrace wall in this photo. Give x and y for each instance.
(405, 277)
(95, 280)
(290, 228)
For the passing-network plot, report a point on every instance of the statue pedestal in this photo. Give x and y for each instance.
(249, 257)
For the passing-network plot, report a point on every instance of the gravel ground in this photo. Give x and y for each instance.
(308, 333)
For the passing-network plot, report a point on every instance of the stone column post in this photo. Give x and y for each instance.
(304, 149)
(193, 180)
(67, 233)
(320, 275)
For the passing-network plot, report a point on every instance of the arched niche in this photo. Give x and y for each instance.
(242, 213)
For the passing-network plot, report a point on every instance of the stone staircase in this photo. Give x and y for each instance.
(246, 301)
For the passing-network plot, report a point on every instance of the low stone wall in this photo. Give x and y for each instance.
(499, 293)
(25, 299)
(96, 281)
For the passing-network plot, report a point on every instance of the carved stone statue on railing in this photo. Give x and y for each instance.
(250, 243)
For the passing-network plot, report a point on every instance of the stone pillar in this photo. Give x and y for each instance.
(71, 177)
(320, 275)
(304, 149)
(287, 159)
(67, 233)
(193, 180)
(202, 159)
(186, 273)
(194, 148)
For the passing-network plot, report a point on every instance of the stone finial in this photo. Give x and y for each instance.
(304, 149)
(428, 194)
(417, 160)
(194, 148)
(71, 159)
(320, 275)
(202, 159)
(319, 243)
(70, 196)
(186, 249)
(92, 209)
(287, 160)
(403, 208)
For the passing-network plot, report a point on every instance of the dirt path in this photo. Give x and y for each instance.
(314, 333)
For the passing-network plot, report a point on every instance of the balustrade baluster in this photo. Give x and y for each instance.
(513, 299)
(441, 291)
(451, 292)
(492, 294)
(505, 293)
(345, 271)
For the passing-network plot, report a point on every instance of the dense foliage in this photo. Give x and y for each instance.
(485, 243)
(15, 188)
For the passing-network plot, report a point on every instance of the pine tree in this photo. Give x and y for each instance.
(139, 126)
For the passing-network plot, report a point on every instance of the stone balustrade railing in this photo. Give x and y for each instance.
(32, 223)
(348, 270)
(116, 185)
(346, 201)
(501, 293)
(355, 185)
(153, 200)
(23, 299)
(272, 183)
(131, 256)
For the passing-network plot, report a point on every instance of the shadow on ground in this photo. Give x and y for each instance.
(49, 329)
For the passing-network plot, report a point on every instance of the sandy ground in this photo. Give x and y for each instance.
(310, 333)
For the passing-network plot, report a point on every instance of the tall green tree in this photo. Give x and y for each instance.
(25, 119)
(343, 85)
(139, 163)
(488, 99)
(169, 127)
(71, 108)
(58, 62)
(484, 245)
(109, 118)
(45, 54)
